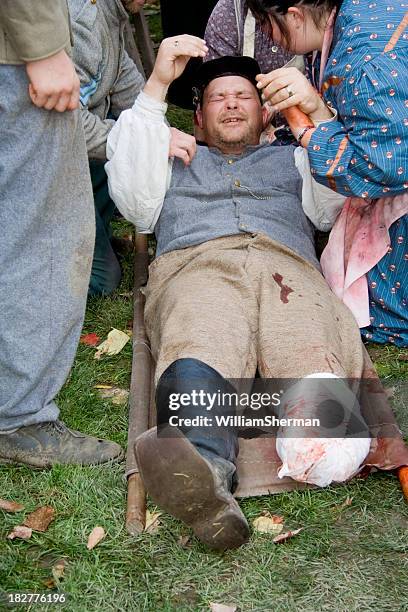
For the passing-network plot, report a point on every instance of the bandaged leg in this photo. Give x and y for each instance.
(326, 439)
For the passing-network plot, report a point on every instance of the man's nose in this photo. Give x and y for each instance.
(231, 102)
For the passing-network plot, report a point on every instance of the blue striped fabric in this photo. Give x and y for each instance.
(88, 90)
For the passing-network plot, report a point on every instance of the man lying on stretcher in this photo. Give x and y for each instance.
(236, 288)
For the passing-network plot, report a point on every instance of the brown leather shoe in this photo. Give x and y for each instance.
(46, 444)
(191, 488)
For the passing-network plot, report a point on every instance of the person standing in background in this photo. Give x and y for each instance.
(110, 82)
(359, 149)
(48, 225)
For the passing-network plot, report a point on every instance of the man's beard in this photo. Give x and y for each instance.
(221, 140)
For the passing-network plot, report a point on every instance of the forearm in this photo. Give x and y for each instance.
(155, 89)
(346, 162)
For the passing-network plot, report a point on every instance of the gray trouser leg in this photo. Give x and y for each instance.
(47, 221)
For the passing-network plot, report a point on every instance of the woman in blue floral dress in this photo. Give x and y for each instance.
(356, 141)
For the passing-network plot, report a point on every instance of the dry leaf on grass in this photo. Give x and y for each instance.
(90, 339)
(152, 521)
(116, 395)
(40, 519)
(268, 523)
(10, 506)
(58, 570)
(347, 502)
(113, 344)
(97, 534)
(21, 532)
(287, 535)
(403, 357)
(217, 607)
(183, 540)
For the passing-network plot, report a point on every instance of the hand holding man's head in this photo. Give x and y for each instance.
(171, 61)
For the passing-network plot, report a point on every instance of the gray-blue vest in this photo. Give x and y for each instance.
(217, 195)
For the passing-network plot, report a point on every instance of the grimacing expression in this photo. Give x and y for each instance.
(231, 115)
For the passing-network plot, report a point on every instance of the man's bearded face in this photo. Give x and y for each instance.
(232, 114)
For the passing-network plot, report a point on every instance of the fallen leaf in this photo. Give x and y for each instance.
(50, 583)
(347, 502)
(268, 523)
(126, 294)
(40, 519)
(183, 540)
(285, 536)
(21, 532)
(10, 506)
(97, 534)
(217, 607)
(117, 395)
(58, 570)
(152, 521)
(90, 339)
(403, 357)
(113, 344)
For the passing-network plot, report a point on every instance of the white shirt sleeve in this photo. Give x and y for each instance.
(139, 168)
(320, 204)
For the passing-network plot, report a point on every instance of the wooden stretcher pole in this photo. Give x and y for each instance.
(140, 392)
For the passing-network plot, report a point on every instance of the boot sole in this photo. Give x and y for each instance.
(48, 466)
(181, 481)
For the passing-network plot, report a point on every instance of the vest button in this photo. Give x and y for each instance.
(230, 161)
(274, 48)
(237, 183)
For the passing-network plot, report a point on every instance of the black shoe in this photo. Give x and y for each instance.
(122, 246)
(46, 444)
(192, 488)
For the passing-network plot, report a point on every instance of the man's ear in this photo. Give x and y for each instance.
(199, 117)
(266, 116)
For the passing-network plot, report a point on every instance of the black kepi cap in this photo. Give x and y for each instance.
(229, 65)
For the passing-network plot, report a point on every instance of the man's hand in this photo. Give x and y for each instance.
(287, 87)
(54, 84)
(171, 60)
(182, 145)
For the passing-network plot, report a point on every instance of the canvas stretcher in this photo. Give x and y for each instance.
(258, 461)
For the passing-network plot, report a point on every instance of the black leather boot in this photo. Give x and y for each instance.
(190, 471)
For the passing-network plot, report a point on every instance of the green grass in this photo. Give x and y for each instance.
(348, 558)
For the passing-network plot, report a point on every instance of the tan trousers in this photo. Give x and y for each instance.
(242, 302)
